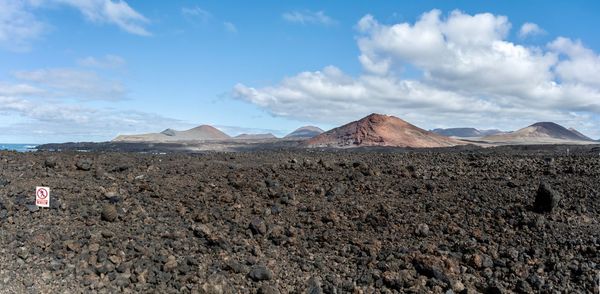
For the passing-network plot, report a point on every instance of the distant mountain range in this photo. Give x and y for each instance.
(210, 133)
(465, 132)
(377, 130)
(541, 132)
(201, 133)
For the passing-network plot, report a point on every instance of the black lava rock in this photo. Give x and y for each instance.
(260, 273)
(84, 164)
(258, 226)
(314, 286)
(50, 162)
(546, 198)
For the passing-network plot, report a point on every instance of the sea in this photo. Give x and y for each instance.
(18, 147)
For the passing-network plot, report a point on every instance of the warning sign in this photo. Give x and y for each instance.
(42, 196)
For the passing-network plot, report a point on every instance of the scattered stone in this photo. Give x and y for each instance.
(314, 286)
(258, 226)
(90, 279)
(430, 267)
(84, 164)
(32, 207)
(476, 261)
(109, 213)
(268, 289)
(398, 280)
(72, 245)
(4, 182)
(236, 267)
(335, 191)
(546, 198)
(94, 247)
(422, 230)
(523, 287)
(170, 264)
(260, 273)
(23, 253)
(50, 162)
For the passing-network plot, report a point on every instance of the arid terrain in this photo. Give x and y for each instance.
(522, 219)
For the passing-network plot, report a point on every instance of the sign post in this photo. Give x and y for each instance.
(42, 196)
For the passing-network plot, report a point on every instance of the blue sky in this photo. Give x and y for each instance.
(73, 70)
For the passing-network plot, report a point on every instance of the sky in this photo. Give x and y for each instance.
(89, 70)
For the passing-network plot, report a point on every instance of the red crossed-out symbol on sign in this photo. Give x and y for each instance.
(42, 193)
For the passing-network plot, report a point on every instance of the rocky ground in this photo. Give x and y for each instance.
(380, 221)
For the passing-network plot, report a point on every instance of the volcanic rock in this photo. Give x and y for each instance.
(268, 289)
(380, 130)
(170, 264)
(358, 239)
(109, 213)
(260, 273)
(258, 226)
(84, 164)
(546, 198)
(314, 286)
(50, 162)
(422, 230)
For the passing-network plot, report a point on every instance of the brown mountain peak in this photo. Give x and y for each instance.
(380, 130)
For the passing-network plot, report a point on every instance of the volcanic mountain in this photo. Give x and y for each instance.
(200, 133)
(580, 135)
(255, 136)
(305, 132)
(380, 130)
(465, 132)
(541, 132)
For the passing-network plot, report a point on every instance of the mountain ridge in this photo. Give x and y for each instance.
(540, 132)
(199, 133)
(465, 132)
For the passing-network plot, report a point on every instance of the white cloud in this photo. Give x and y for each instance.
(196, 14)
(580, 65)
(57, 105)
(18, 26)
(116, 12)
(331, 96)
(467, 74)
(230, 27)
(21, 89)
(306, 17)
(72, 84)
(58, 122)
(107, 62)
(530, 29)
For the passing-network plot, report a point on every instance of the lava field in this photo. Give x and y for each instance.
(490, 220)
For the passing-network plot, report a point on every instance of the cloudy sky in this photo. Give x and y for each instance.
(89, 70)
